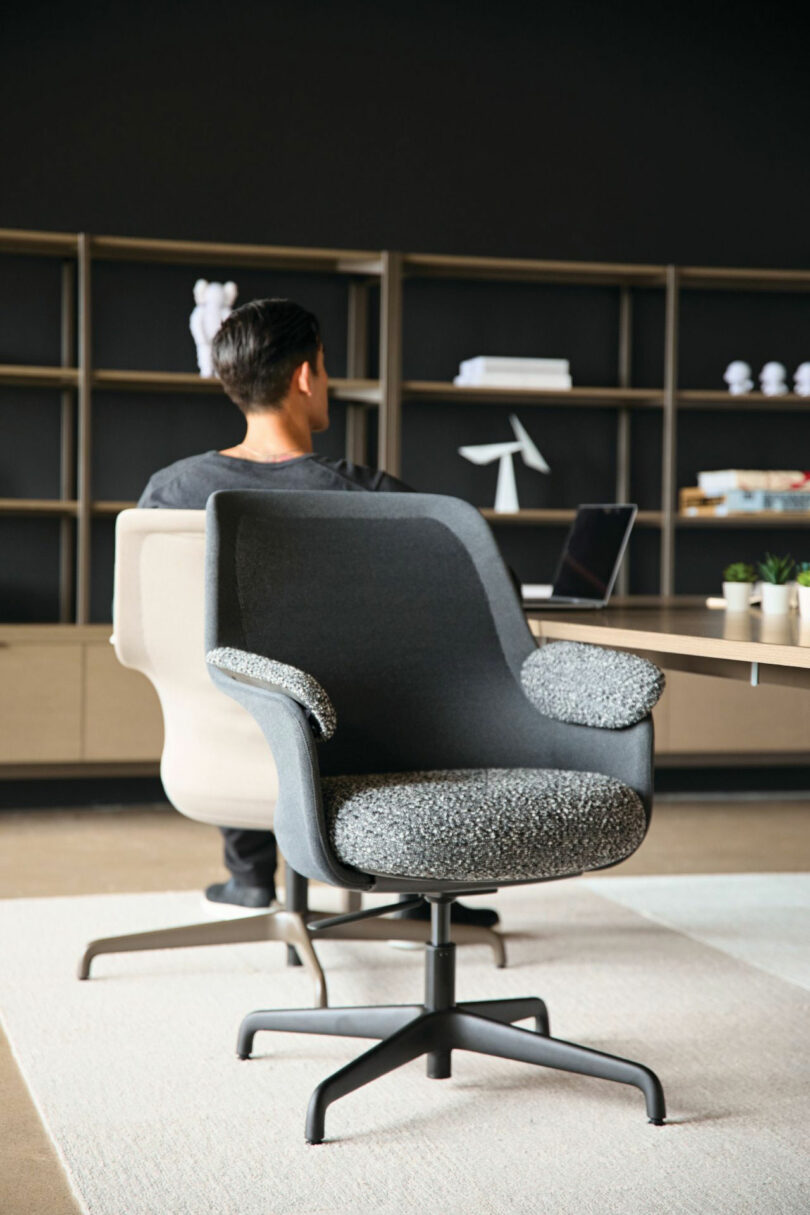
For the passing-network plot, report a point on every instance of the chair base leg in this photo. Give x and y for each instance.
(288, 926)
(280, 925)
(409, 1031)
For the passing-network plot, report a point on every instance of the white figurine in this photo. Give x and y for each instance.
(213, 302)
(738, 377)
(801, 380)
(506, 499)
(772, 379)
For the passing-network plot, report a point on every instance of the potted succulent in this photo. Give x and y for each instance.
(738, 579)
(775, 573)
(803, 579)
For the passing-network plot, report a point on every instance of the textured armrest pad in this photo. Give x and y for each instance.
(279, 677)
(590, 686)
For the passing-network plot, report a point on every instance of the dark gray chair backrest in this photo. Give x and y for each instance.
(401, 607)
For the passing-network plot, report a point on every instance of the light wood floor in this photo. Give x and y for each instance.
(46, 853)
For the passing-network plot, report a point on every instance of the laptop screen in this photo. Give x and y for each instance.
(593, 551)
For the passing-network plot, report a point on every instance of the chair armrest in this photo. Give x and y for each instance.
(299, 820)
(587, 685)
(263, 672)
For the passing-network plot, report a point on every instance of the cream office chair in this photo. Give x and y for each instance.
(215, 766)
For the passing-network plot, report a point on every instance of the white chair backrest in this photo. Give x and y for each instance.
(216, 765)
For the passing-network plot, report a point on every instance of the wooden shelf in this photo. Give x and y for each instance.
(37, 506)
(271, 257)
(363, 391)
(340, 389)
(518, 269)
(771, 518)
(40, 244)
(729, 279)
(718, 399)
(588, 397)
(21, 376)
(558, 517)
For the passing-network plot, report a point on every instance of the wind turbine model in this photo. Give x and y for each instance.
(506, 499)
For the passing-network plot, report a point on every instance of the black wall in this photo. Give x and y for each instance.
(593, 131)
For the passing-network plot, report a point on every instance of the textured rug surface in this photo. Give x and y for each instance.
(136, 1079)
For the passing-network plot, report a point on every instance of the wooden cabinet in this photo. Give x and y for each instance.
(66, 701)
(715, 719)
(40, 700)
(121, 715)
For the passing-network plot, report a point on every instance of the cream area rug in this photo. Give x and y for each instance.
(135, 1076)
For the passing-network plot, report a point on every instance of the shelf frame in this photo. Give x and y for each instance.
(76, 380)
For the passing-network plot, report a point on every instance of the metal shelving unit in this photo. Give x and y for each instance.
(76, 379)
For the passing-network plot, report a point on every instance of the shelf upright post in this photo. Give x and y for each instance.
(67, 443)
(669, 437)
(623, 420)
(389, 453)
(83, 489)
(357, 369)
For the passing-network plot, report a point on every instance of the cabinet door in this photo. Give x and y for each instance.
(708, 716)
(40, 702)
(122, 717)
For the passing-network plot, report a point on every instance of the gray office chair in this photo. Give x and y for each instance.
(424, 745)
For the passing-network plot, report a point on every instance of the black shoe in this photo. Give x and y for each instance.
(460, 913)
(240, 894)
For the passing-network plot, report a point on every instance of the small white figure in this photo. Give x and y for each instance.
(213, 302)
(738, 377)
(772, 379)
(506, 499)
(801, 380)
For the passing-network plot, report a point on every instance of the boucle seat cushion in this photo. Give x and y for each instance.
(483, 824)
(587, 685)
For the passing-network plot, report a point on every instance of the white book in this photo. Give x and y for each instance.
(492, 362)
(720, 481)
(505, 379)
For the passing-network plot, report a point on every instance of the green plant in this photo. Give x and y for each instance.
(776, 569)
(739, 571)
(803, 577)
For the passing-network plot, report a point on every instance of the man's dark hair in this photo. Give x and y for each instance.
(259, 346)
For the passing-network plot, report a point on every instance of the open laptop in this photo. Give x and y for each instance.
(591, 557)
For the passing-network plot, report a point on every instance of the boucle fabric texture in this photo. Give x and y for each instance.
(482, 824)
(587, 685)
(280, 677)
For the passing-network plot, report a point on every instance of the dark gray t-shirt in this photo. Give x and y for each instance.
(188, 484)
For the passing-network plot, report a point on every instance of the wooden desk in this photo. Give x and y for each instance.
(704, 641)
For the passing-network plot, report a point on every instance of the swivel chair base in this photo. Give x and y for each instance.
(291, 925)
(438, 1027)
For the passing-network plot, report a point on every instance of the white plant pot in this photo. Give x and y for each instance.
(804, 601)
(737, 596)
(775, 599)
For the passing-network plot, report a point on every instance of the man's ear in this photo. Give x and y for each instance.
(302, 378)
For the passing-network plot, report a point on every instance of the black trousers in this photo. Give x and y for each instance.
(251, 856)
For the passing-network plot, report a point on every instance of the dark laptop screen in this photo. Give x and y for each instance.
(591, 555)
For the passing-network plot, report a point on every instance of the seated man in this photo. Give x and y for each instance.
(269, 357)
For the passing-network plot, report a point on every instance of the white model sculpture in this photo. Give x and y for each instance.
(506, 499)
(772, 379)
(213, 302)
(738, 377)
(801, 380)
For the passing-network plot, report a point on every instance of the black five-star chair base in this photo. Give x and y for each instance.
(438, 1027)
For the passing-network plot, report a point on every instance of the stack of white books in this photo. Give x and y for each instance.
(492, 371)
(722, 481)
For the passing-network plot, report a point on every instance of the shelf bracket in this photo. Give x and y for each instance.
(754, 674)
